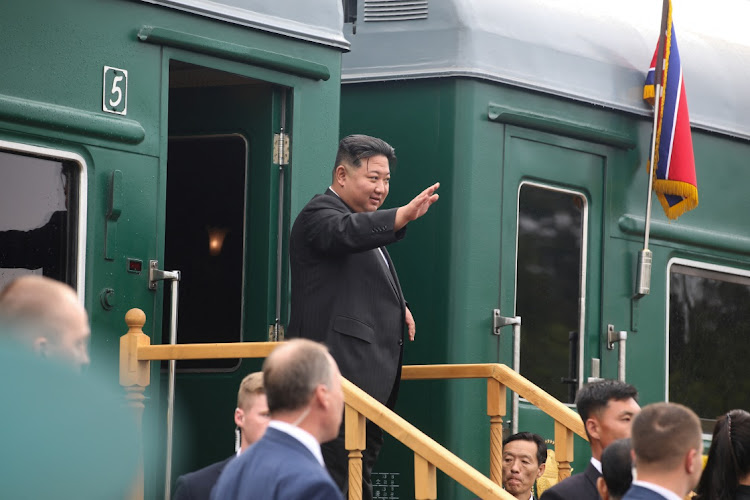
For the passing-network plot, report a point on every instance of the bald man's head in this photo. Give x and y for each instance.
(47, 316)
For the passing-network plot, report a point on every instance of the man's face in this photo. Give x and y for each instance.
(71, 344)
(615, 421)
(253, 419)
(365, 188)
(520, 468)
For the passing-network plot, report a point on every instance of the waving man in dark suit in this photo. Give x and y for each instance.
(345, 290)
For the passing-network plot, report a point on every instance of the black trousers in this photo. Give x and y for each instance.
(337, 459)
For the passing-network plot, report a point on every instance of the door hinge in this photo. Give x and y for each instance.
(275, 333)
(281, 148)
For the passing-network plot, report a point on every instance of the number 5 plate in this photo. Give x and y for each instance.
(115, 91)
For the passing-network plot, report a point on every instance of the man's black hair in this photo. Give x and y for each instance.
(353, 148)
(541, 446)
(596, 395)
(617, 467)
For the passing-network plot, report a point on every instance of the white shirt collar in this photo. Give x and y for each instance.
(669, 495)
(597, 464)
(300, 435)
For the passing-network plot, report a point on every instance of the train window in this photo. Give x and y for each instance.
(709, 312)
(38, 217)
(205, 240)
(551, 236)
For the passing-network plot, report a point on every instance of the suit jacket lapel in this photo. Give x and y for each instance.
(387, 266)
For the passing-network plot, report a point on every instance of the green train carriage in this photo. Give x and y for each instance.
(530, 114)
(147, 130)
(134, 132)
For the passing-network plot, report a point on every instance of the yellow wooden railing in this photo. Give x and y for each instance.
(136, 353)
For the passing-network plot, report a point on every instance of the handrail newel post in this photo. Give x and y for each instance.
(496, 410)
(563, 450)
(425, 479)
(354, 441)
(135, 376)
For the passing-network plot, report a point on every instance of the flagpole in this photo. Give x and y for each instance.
(643, 282)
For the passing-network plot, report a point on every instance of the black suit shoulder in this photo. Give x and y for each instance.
(197, 485)
(580, 486)
(329, 226)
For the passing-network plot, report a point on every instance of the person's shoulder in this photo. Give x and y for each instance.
(573, 488)
(640, 493)
(320, 487)
(198, 484)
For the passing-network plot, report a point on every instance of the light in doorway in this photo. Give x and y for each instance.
(216, 237)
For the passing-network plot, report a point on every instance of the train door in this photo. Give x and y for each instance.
(221, 199)
(551, 237)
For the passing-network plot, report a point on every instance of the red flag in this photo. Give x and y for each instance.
(674, 180)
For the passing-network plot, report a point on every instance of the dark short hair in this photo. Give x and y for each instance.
(595, 396)
(293, 371)
(663, 433)
(617, 467)
(353, 148)
(728, 457)
(541, 446)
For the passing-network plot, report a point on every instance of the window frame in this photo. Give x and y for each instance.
(695, 264)
(584, 264)
(81, 208)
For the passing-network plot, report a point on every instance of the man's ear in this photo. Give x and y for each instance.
(592, 427)
(541, 470)
(239, 417)
(691, 462)
(601, 487)
(340, 175)
(321, 396)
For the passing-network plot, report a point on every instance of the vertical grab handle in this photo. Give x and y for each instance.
(516, 368)
(499, 321)
(155, 275)
(620, 337)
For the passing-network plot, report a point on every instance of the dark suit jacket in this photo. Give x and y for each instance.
(641, 493)
(197, 485)
(343, 292)
(577, 487)
(276, 467)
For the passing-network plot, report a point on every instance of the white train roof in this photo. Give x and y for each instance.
(592, 50)
(318, 21)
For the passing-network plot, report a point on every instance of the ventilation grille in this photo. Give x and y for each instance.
(395, 10)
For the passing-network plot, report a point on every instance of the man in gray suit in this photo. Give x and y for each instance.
(345, 290)
(668, 449)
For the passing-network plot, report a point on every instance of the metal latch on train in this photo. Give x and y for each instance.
(499, 321)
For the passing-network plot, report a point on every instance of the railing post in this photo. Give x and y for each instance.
(354, 441)
(496, 410)
(563, 450)
(135, 376)
(425, 479)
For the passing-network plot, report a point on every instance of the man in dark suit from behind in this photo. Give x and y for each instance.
(668, 449)
(251, 417)
(303, 387)
(617, 470)
(344, 288)
(607, 409)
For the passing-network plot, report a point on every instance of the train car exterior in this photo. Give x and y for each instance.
(134, 132)
(530, 114)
